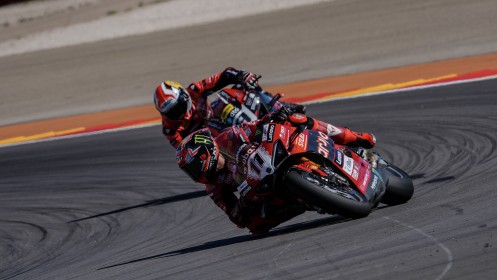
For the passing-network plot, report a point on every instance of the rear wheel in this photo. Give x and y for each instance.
(399, 187)
(332, 198)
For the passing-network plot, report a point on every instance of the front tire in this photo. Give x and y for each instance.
(332, 198)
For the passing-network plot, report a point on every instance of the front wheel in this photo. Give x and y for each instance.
(332, 198)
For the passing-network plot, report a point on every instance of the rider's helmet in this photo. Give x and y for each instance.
(197, 155)
(173, 101)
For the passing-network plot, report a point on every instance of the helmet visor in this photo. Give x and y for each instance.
(195, 169)
(180, 107)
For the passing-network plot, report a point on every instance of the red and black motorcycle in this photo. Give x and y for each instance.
(237, 105)
(295, 166)
(300, 168)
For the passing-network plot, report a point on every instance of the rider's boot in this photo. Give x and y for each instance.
(343, 135)
(271, 216)
(372, 157)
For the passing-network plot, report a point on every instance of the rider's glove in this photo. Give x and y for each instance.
(295, 108)
(249, 80)
(281, 115)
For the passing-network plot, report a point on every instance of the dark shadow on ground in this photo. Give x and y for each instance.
(417, 176)
(241, 239)
(8, 2)
(154, 202)
(441, 179)
(436, 180)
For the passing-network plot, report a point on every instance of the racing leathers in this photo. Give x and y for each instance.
(176, 130)
(236, 144)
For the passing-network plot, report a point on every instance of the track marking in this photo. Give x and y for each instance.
(378, 90)
(80, 134)
(439, 244)
(412, 88)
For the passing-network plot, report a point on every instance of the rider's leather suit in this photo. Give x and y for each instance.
(176, 130)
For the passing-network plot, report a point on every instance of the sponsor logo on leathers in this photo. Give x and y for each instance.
(333, 130)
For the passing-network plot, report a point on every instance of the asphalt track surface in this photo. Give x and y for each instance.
(115, 206)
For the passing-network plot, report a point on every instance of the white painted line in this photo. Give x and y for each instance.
(310, 102)
(403, 89)
(83, 134)
(439, 244)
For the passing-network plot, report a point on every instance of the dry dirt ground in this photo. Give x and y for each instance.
(20, 20)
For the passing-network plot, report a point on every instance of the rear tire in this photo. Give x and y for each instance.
(333, 199)
(399, 187)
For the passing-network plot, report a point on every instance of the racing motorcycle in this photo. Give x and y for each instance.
(295, 166)
(305, 168)
(234, 106)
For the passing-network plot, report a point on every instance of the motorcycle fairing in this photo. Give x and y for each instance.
(234, 106)
(310, 142)
(352, 165)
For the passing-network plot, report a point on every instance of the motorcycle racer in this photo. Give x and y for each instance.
(185, 110)
(221, 164)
